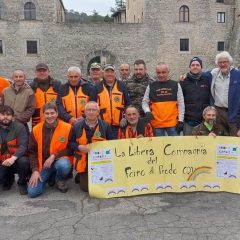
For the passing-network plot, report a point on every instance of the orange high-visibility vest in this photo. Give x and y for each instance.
(111, 105)
(74, 103)
(59, 139)
(42, 98)
(80, 159)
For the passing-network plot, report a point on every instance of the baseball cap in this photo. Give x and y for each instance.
(95, 65)
(42, 66)
(109, 66)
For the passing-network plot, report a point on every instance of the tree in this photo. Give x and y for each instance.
(120, 3)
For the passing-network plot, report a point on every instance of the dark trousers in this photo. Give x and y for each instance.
(21, 166)
(114, 131)
(228, 129)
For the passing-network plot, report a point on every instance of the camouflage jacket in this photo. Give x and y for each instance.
(136, 89)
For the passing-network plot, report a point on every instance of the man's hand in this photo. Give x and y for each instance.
(84, 148)
(238, 133)
(9, 162)
(148, 116)
(33, 181)
(123, 123)
(212, 134)
(182, 77)
(179, 127)
(73, 120)
(49, 161)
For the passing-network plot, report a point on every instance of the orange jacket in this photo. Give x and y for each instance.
(59, 139)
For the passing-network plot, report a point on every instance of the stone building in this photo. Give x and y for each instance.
(171, 31)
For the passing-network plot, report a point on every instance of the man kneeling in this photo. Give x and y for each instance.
(48, 152)
(208, 127)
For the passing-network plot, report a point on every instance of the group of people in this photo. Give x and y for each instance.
(66, 118)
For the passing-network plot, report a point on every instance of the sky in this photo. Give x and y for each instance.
(87, 6)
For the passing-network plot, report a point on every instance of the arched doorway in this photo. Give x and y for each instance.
(100, 56)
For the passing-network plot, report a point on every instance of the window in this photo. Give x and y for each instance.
(220, 46)
(1, 47)
(221, 17)
(184, 14)
(32, 47)
(184, 44)
(29, 11)
(220, 1)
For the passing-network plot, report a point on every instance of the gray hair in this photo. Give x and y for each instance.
(91, 102)
(74, 69)
(209, 108)
(163, 64)
(223, 54)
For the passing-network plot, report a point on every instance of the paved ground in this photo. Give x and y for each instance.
(74, 215)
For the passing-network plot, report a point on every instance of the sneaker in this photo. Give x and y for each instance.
(23, 189)
(61, 186)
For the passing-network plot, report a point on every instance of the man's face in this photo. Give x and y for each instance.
(91, 111)
(162, 73)
(124, 71)
(42, 74)
(74, 78)
(139, 71)
(132, 116)
(109, 75)
(195, 67)
(6, 118)
(224, 65)
(18, 78)
(210, 117)
(95, 74)
(50, 116)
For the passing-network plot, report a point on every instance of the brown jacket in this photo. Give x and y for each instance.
(202, 130)
(21, 101)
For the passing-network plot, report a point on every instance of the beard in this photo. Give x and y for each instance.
(212, 122)
(6, 123)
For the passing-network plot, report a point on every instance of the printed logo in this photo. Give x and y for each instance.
(116, 99)
(97, 134)
(62, 139)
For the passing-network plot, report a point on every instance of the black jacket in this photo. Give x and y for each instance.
(196, 97)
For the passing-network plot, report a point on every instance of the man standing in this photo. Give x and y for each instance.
(163, 103)
(138, 83)
(124, 73)
(225, 89)
(20, 97)
(112, 97)
(136, 127)
(87, 130)
(196, 91)
(13, 147)
(48, 152)
(73, 97)
(95, 74)
(208, 127)
(46, 90)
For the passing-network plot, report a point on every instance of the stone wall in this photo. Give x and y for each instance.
(62, 45)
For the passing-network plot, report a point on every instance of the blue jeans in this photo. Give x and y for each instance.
(62, 167)
(171, 131)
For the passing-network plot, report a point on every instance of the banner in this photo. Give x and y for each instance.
(130, 167)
